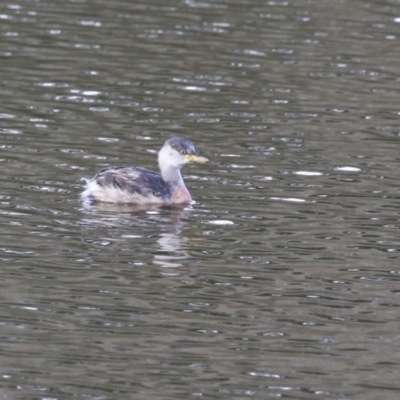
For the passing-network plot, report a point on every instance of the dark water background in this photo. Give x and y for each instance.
(282, 281)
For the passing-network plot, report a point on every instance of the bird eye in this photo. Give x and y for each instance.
(183, 152)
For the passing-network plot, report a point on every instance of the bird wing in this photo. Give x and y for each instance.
(133, 180)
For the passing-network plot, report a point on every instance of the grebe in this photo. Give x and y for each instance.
(140, 186)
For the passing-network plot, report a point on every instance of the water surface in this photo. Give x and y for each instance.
(282, 281)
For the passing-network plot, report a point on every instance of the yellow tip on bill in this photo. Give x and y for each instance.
(196, 159)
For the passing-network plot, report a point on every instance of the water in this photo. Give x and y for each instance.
(282, 281)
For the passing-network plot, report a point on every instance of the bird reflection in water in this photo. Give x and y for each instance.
(172, 252)
(145, 224)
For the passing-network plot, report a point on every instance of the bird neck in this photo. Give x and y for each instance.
(172, 176)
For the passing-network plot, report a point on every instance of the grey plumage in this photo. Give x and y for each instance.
(133, 180)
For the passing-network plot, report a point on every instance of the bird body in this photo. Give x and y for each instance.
(141, 186)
